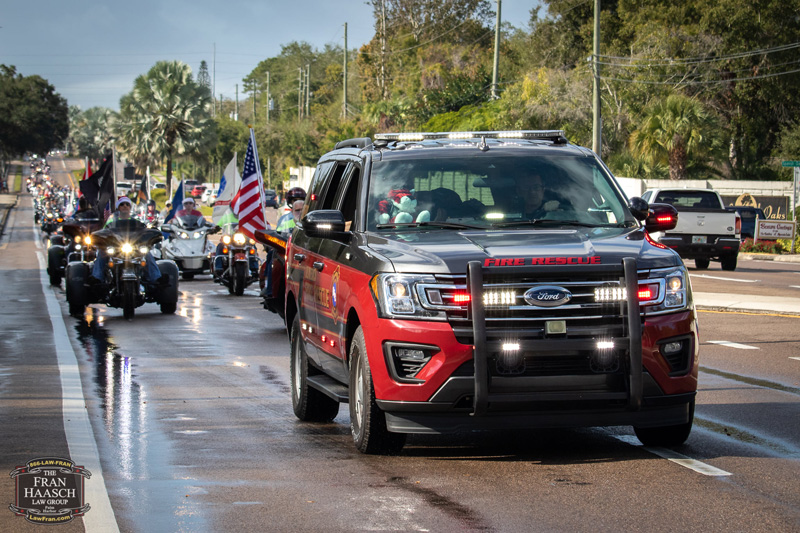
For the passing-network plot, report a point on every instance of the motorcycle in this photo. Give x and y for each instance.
(272, 274)
(51, 221)
(74, 244)
(239, 263)
(125, 251)
(188, 244)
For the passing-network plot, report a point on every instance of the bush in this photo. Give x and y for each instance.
(761, 247)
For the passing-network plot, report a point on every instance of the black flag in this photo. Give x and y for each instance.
(99, 187)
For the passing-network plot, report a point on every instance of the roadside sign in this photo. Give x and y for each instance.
(790, 164)
(773, 229)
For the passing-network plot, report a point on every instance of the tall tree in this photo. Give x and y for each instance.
(673, 130)
(167, 114)
(33, 116)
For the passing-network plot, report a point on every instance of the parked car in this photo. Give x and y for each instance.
(208, 196)
(749, 215)
(188, 185)
(159, 186)
(270, 198)
(197, 191)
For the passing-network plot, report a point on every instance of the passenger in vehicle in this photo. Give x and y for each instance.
(530, 190)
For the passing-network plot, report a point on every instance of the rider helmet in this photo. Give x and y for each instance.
(294, 194)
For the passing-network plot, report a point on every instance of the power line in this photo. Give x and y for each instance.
(696, 60)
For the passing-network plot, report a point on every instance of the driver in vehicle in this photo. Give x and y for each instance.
(152, 274)
(531, 191)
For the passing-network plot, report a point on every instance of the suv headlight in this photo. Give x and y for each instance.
(398, 296)
(665, 291)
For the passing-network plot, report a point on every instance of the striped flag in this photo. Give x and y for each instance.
(247, 204)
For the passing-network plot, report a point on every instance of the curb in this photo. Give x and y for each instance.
(786, 258)
(721, 309)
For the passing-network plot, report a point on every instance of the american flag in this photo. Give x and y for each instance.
(107, 211)
(247, 204)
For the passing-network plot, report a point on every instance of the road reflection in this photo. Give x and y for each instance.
(138, 452)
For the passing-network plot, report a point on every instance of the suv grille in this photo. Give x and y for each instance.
(510, 316)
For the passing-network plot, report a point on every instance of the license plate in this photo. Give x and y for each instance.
(698, 239)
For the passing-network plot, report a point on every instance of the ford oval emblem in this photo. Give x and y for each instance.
(547, 296)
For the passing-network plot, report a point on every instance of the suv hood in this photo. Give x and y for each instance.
(442, 251)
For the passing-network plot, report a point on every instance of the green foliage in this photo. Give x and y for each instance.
(33, 117)
(90, 132)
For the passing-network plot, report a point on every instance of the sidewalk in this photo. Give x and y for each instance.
(7, 203)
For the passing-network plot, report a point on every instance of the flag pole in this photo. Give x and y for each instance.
(147, 183)
(260, 177)
(114, 162)
(86, 169)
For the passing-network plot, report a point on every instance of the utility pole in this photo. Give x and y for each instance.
(496, 52)
(236, 106)
(597, 120)
(214, 82)
(299, 93)
(308, 90)
(269, 99)
(344, 77)
(254, 102)
(383, 49)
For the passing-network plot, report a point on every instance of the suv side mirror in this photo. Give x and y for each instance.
(324, 223)
(662, 217)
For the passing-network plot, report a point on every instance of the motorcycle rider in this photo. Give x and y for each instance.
(151, 274)
(188, 208)
(294, 194)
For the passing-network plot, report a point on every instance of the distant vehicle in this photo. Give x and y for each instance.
(197, 191)
(749, 215)
(706, 230)
(124, 188)
(188, 185)
(209, 195)
(270, 198)
(159, 186)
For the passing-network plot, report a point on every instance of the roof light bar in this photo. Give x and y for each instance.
(518, 134)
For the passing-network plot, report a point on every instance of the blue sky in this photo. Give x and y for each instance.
(92, 50)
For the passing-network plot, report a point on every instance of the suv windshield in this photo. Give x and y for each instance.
(492, 189)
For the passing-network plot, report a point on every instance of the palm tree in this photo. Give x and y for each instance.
(167, 114)
(675, 130)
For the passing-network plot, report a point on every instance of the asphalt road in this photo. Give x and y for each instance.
(191, 419)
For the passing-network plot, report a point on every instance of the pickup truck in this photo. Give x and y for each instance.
(705, 230)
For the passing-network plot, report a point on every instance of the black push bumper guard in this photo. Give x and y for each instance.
(483, 396)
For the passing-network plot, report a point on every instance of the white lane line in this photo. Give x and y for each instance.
(795, 286)
(78, 429)
(735, 345)
(795, 358)
(724, 279)
(677, 458)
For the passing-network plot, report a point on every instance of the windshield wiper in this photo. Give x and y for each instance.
(431, 224)
(551, 222)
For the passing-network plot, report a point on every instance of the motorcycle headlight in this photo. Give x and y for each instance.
(398, 296)
(665, 290)
(127, 248)
(143, 250)
(198, 234)
(183, 235)
(226, 239)
(77, 239)
(110, 250)
(239, 238)
(88, 240)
